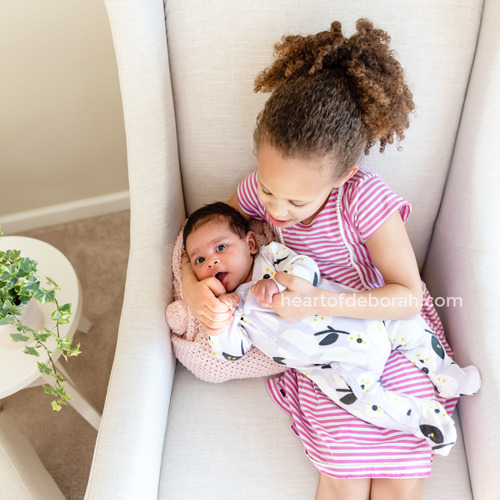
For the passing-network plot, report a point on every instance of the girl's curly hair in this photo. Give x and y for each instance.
(333, 95)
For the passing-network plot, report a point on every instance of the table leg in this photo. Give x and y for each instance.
(84, 325)
(23, 474)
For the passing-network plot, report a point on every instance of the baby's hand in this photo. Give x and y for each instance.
(231, 300)
(264, 290)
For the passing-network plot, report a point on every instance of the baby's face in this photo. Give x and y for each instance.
(215, 250)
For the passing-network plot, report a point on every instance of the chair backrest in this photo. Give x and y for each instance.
(217, 48)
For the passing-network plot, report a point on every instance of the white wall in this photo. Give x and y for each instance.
(61, 125)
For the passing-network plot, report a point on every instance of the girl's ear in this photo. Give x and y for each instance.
(352, 171)
(252, 243)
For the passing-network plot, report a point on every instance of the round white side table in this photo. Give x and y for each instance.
(19, 370)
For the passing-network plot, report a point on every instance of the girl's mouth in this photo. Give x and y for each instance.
(279, 223)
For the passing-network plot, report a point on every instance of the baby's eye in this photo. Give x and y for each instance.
(221, 247)
(200, 260)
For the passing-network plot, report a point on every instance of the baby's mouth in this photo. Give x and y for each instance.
(221, 276)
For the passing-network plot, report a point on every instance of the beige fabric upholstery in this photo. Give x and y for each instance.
(464, 256)
(230, 441)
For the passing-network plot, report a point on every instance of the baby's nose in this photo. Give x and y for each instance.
(213, 262)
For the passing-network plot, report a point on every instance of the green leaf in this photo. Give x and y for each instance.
(62, 314)
(31, 351)
(18, 337)
(40, 295)
(27, 266)
(75, 351)
(29, 285)
(51, 282)
(13, 255)
(50, 296)
(47, 389)
(25, 329)
(63, 343)
(8, 320)
(41, 337)
(43, 368)
(55, 406)
(7, 307)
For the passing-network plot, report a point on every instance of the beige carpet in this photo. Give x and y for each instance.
(98, 250)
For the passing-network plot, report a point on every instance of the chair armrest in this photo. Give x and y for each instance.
(156, 195)
(129, 448)
(128, 454)
(463, 260)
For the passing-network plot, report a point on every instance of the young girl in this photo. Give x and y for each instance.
(332, 99)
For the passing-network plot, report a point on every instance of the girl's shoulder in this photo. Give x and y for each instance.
(361, 178)
(248, 198)
(368, 202)
(366, 187)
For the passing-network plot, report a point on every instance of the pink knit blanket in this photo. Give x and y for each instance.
(190, 343)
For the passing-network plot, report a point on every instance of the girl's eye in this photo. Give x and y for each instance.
(298, 205)
(221, 247)
(200, 260)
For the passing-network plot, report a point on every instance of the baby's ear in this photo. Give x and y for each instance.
(252, 243)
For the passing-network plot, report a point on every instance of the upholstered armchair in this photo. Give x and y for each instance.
(186, 73)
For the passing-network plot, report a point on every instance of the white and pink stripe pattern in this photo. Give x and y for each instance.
(343, 446)
(339, 444)
(335, 239)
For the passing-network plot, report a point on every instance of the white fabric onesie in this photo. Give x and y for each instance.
(345, 357)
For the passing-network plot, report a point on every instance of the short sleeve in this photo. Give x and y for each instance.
(371, 202)
(248, 198)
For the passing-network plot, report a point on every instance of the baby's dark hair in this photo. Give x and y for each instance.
(216, 211)
(334, 96)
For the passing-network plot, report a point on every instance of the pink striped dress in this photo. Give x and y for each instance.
(339, 444)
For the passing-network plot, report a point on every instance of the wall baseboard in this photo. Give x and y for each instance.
(64, 212)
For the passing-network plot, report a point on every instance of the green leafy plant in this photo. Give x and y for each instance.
(20, 283)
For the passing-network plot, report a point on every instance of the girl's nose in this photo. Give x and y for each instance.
(278, 209)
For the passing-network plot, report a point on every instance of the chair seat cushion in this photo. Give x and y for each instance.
(231, 441)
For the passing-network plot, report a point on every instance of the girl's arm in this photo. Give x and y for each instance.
(233, 202)
(400, 297)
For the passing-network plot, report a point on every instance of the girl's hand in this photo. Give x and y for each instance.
(299, 300)
(264, 291)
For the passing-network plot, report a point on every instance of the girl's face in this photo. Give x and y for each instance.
(214, 249)
(293, 189)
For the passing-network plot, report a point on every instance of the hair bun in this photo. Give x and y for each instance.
(365, 59)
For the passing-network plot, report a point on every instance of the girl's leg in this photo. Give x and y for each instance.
(361, 394)
(331, 488)
(396, 489)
